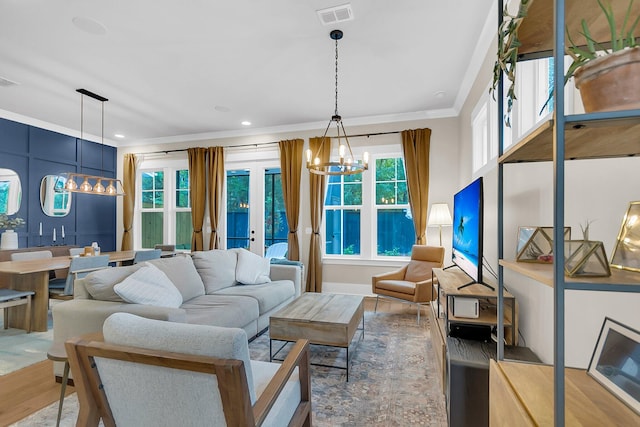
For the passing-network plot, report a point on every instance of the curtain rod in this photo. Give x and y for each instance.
(178, 150)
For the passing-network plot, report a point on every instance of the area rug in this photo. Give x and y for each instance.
(19, 349)
(392, 379)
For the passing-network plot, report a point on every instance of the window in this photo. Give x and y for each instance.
(343, 204)
(395, 229)
(165, 211)
(484, 128)
(367, 215)
(275, 216)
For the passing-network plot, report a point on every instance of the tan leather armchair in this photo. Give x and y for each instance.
(411, 283)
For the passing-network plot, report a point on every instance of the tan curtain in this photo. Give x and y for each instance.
(290, 170)
(415, 146)
(317, 185)
(215, 159)
(197, 190)
(128, 201)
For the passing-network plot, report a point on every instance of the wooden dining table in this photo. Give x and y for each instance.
(33, 275)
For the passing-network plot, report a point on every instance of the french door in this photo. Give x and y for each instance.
(254, 216)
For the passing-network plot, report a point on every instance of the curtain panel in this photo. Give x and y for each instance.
(215, 161)
(317, 188)
(197, 194)
(415, 147)
(128, 201)
(290, 170)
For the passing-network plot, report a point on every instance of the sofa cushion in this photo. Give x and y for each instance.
(252, 269)
(183, 274)
(130, 330)
(268, 295)
(221, 310)
(149, 286)
(100, 283)
(217, 268)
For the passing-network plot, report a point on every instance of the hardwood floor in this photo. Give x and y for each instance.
(32, 388)
(27, 391)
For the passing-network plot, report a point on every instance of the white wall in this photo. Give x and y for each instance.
(596, 190)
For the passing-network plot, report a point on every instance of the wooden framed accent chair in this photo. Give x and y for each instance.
(147, 372)
(411, 283)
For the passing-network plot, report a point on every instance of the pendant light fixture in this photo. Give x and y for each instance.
(91, 184)
(346, 164)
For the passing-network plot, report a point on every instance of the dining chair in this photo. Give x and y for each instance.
(141, 256)
(81, 266)
(76, 251)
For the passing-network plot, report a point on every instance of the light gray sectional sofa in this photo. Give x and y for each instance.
(229, 288)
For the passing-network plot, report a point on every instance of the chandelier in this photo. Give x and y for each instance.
(346, 164)
(90, 184)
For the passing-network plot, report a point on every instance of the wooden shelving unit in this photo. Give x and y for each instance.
(529, 394)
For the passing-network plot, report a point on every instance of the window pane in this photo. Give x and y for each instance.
(147, 199)
(396, 233)
(147, 181)
(385, 193)
(158, 201)
(385, 169)
(159, 180)
(401, 173)
(152, 232)
(403, 193)
(182, 179)
(182, 198)
(342, 230)
(184, 230)
(333, 195)
(353, 194)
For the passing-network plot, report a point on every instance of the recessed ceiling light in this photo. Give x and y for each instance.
(246, 123)
(439, 94)
(222, 109)
(89, 25)
(119, 135)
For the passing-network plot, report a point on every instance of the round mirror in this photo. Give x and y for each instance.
(53, 199)
(10, 192)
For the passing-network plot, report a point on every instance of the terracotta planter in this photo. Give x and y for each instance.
(611, 82)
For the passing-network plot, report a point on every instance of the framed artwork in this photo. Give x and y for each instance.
(626, 254)
(615, 362)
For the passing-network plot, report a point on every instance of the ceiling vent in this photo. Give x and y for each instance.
(6, 82)
(336, 14)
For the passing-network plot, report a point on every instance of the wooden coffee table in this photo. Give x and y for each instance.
(323, 319)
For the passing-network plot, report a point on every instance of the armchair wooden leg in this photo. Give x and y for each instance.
(375, 309)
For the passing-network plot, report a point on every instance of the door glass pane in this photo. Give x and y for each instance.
(275, 217)
(238, 209)
(152, 232)
(396, 233)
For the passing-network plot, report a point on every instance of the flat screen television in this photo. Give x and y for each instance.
(467, 230)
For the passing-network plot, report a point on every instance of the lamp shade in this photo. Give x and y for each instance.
(439, 215)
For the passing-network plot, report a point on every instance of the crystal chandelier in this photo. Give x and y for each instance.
(346, 164)
(90, 184)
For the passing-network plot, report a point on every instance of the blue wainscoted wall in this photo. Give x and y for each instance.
(33, 153)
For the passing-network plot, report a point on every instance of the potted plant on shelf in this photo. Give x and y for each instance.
(608, 79)
(9, 238)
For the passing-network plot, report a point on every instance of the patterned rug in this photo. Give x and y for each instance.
(392, 379)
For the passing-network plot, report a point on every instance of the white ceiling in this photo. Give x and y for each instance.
(168, 67)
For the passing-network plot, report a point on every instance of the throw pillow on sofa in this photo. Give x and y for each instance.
(252, 269)
(99, 284)
(149, 286)
(217, 268)
(181, 271)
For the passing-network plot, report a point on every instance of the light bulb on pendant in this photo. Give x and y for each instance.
(98, 188)
(85, 186)
(70, 184)
(111, 189)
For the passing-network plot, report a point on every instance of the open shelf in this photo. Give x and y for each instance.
(619, 281)
(536, 31)
(487, 316)
(614, 134)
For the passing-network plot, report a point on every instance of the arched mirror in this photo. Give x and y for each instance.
(10, 191)
(53, 199)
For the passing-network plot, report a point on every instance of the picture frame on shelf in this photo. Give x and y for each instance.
(535, 244)
(626, 253)
(615, 362)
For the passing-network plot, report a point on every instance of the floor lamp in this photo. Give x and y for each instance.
(439, 215)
